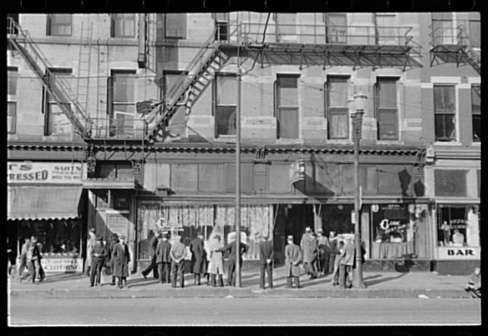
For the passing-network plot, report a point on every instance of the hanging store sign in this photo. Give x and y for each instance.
(62, 265)
(44, 172)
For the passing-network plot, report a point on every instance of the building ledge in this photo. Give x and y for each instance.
(110, 183)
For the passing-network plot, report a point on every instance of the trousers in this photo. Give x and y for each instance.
(266, 268)
(178, 268)
(152, 267)
(289, 282)
(345, 275)
(163, 269)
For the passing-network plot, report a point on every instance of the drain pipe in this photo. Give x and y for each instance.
(141, 49)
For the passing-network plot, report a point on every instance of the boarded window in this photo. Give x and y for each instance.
(59, 24)
(450, 182)
(386, 108)
(286, 95)
(336, 96)
(445, 112)
(476, 112)
(184, 177)
(211, 178)
(175, 25)
(225, 90)
(123, 25)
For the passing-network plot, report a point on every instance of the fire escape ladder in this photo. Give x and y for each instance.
(473, 58)
(188, 87)
(57, 87)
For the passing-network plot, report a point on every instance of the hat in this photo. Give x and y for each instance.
(320, 231)
(290, 237)
(92, 230)
(307, 229)
(122, 237)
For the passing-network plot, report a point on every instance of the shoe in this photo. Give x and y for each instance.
(91, 285)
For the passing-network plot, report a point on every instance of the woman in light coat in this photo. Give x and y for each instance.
(216, 264)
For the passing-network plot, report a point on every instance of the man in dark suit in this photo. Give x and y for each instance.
(178, 254)
(232, 249)
(153, 244)
(98, 254)
(266, 256)
(163, 259)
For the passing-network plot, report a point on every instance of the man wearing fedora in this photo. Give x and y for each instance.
(121, 259)
(293, 259)
(98, 254)
(153, 244)
(178, 254)
(266, 257)
(163, 259)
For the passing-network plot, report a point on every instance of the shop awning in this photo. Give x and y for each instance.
(43, 202)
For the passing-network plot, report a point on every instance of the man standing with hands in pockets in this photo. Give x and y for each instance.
(266, 255)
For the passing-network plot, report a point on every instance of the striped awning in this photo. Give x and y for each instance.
(43, 202)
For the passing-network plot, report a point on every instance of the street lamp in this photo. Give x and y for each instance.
(360, 100)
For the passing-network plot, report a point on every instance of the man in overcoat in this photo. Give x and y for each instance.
(198, 258)
(153, 244)
(324, 250)
(163, 259)
(109, 261)
(232, 249)
(345, 264)
(293, 258)
(90, 243)
(98, 254)
(121, 259)
(334, 249)
(310, 251)
(266, 258)
(178, 254)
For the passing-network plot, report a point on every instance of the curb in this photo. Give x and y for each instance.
(241, 293)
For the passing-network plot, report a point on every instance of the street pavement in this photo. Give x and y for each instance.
(213, 312)
(421, 285)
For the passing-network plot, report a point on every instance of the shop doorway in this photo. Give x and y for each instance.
(291, 219)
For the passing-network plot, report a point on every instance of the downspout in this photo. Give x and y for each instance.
(141, 47)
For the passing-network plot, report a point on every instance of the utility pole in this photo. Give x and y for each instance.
(357, 120)
(238, 166)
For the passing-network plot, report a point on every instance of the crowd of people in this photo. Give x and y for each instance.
(30, 267)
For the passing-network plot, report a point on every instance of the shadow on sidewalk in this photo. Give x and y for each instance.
(381, 280)
(65, 277)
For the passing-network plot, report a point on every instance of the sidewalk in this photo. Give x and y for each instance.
(379, 285)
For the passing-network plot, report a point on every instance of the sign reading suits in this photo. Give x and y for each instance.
(44, 172)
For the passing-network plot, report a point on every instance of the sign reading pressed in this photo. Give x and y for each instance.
(44, 172)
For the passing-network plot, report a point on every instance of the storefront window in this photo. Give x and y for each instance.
(57, 236)
(393, 231)
(337, 218)
(458, 226)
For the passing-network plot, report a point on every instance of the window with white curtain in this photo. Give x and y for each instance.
(123, 25)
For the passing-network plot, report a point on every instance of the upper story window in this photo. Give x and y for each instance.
(445, 112)
(475, 33)
(123, 25)
(286, 106)
(55, 119)
(443, 30)
(336, 28)
(175, 25)
(221, 26)
(337, 110)
(286, 24)
(386, 32)
(121, 100)
(12, 100)
(476, 112)
(386, 109)
(225, 91)
(59, 24)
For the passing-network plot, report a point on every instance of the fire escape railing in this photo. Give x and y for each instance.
(57, 86)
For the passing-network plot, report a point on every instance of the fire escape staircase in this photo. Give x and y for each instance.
(57, 87)
(188, 87)
(473, 58)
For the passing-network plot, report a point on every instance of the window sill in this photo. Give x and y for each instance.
(340, 142)
(390, 142)
(289, 141)
(452, 143)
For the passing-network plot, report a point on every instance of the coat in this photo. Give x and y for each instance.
(90, 244)
(309, 247)
(266, 251)
(120, 260)
(198, 257)
(293, 259)
(162, 252)
(153, 244)
(347, 255)
(216, 258)
(232, 249)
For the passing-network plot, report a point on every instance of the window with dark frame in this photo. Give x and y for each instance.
(221, 26)
(12, 100)
(475, 33)
(336, 28)
(175, 25)
(225, 91)
(386, 109)
(443, 30)
(123, 25)
(445, 112)
(336, 108)
(121, 101)
(286, 106)
(55, 119)
(476, 112)
(59, 24)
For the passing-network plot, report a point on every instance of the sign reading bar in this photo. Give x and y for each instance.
(44, 172)
(459, 253)
(62, 265)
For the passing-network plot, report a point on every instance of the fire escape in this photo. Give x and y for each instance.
(454, 45)
(57, 87)
(187, 88)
